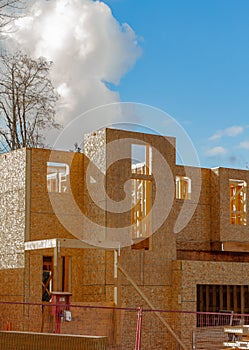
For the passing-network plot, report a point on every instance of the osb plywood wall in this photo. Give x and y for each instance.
(12, 209)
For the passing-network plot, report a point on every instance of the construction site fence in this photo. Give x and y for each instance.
(126, 328)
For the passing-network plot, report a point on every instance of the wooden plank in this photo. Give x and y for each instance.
(40, 244)
(40, 341)
(67, 243)
(210, 338)
(235, 246)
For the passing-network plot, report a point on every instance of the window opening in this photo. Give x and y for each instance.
(141, 159)
(141, 206)
(238, 202)
(47, 275)
(183, 187)
(57, 177)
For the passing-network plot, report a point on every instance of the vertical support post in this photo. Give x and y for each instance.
(59, 284)
(57, 321)
(221, 297)
(139, 329)
(56, 272)
(235, 304)
(55, 278)
(214, 298)
(228, 298)
(115, 275)
(142, 267)
(117, 298)
(242, 296)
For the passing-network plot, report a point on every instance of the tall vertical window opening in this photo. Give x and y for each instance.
(141, 159)
(238, 209)
(141, 205)
(183, 187)
(47, 275)
(57, 177)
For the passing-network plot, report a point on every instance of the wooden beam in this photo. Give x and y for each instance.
(41, 244)
(69, 243)
(235, 247)
(55, 271)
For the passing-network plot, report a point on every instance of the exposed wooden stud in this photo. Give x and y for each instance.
(207, 297)
(221, 297)
(228, 298)
(213, 297)
(238, 202)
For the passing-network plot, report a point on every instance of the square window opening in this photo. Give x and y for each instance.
(57, 177)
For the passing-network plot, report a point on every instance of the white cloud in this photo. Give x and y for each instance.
(244, 144)
(230, 132)
(87, 45)
(216, 151)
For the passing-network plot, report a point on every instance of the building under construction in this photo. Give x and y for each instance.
(122, 225)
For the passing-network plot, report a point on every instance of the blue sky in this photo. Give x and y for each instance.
(195, 67)
(194, 64)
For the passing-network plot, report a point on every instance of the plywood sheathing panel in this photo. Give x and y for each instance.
(12, 209)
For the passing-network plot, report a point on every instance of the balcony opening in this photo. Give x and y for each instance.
(141, 159)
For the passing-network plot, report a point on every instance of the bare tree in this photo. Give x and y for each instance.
(9, 11)
(27, 101)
